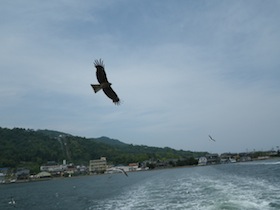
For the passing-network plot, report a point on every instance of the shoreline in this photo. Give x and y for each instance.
(101, 174)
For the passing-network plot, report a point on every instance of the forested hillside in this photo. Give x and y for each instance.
(26, 147)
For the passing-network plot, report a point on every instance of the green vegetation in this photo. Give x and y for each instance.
(28, 148)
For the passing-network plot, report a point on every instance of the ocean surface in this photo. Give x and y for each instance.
(249, 185)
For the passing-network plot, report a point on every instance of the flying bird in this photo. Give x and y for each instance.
(211, 138)
(123, 171)
(103, 82)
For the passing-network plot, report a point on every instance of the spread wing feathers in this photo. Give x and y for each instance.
(112, 95)
(100, 71)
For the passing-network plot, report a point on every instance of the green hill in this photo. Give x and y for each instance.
(52, 134)
(108, 141)
(29, 148)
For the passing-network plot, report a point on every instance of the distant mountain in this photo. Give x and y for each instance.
(109, 141)
(21, 147)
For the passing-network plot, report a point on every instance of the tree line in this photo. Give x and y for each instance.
(21, 147)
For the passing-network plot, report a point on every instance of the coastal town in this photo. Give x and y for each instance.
(53, 169)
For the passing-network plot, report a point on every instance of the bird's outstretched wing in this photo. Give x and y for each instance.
(112, 95)
(211, 138)
(100, 71)
(123, 171)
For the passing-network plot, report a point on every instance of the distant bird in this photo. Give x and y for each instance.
(123, 171)
(103, 82)
(12, 202)
(211, 138)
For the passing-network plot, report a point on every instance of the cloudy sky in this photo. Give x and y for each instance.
(183, 69)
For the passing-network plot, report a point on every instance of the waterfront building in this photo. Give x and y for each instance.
(202, 161)
(98, 166)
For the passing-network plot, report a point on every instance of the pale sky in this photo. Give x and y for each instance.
(183, 69)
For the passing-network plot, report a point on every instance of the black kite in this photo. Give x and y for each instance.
(103, 82)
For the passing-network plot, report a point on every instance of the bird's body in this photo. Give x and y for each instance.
(211, 138)
(104, 84)
(96, 88)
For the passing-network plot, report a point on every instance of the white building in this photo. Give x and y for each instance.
(98, 166)
(202, 161)
(53, 168)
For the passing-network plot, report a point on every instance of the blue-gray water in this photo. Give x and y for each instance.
(251, 185)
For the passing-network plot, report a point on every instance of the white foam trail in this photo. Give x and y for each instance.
(207, 189)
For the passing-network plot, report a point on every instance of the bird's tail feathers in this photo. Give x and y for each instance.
(96, 88)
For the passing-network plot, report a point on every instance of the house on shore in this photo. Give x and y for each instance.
(202, 161)
(22, 173)
(53, 168)
(209, 159)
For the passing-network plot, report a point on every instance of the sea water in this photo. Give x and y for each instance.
(249, 185)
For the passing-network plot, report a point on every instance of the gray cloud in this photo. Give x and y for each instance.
(182, 71)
